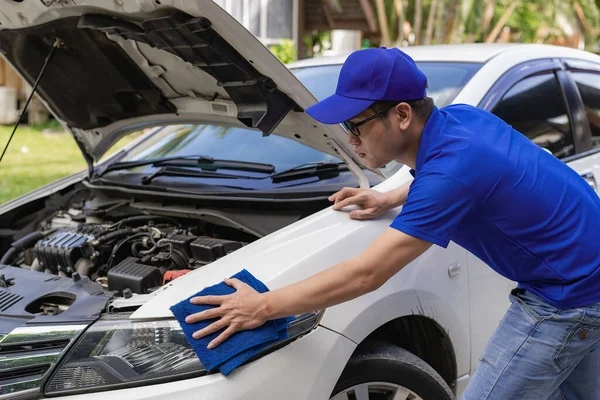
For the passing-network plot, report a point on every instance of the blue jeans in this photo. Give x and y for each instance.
(540, 352)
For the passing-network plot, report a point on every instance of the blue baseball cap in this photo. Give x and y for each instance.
(367, 76)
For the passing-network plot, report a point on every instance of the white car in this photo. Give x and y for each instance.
(84, 302)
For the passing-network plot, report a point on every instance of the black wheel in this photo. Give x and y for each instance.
(379, 371)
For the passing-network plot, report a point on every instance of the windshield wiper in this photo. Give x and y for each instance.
(203, 162)
(184, 172)
(321, 169)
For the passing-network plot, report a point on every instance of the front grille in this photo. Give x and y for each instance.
(28, 354)
(24, 372)
(8, 299)
(29, 347)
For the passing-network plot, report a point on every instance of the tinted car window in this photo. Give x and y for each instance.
(535, 107)
(589, 87)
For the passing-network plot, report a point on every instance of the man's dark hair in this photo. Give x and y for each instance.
(422, 107)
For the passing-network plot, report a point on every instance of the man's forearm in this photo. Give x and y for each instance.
(347, 280)
(337, 284)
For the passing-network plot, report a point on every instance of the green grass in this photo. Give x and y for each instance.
(35, 158)
(38, 155)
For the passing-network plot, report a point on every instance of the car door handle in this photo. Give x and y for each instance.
(589, 178)
(454, 269)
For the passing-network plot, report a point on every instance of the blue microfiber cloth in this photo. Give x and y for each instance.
(239, 347)
(244, 356)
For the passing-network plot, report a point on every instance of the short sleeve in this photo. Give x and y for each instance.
(436, 205)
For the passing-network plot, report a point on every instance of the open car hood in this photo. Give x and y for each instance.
(125, 65)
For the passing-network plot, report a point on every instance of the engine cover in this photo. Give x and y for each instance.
(61, 251)
(30, 297)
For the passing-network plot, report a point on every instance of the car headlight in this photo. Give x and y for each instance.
(116, 353)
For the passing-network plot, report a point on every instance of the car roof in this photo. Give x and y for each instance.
(472, 52)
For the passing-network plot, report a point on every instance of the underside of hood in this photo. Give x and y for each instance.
(128, 66)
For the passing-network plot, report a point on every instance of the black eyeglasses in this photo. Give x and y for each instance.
(352, 127)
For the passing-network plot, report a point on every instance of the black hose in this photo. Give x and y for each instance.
(21, 244)
(180, 260)
(118, 246)
(147, 252)
(135, 248)
(114, 235)
(27, 241)
(7, 257)
(139, 218)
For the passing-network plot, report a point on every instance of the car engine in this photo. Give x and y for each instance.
(137, 254)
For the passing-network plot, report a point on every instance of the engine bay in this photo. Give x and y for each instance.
(137, 254)
(128, 246)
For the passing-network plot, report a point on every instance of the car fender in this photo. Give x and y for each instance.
(419, 289)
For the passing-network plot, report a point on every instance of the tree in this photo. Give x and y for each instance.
(430, 21)
(459, 21)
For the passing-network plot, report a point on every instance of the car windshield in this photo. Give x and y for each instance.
(226, 142)
(445, 80)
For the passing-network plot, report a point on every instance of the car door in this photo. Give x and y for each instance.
(582, 79)
(531, 98)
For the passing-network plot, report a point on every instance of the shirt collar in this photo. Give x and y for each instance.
(430, 130)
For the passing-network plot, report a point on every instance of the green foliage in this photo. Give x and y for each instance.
(527, 19)
(51, 125)
(591, 11)
(317, 42)
(285, 52)
(390, 10)
(473, 21)
(531, 21)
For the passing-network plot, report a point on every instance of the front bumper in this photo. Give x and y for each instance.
(307, 368)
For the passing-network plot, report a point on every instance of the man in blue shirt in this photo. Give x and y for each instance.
(483, 185)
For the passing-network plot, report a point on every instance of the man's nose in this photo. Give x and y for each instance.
(353, 139)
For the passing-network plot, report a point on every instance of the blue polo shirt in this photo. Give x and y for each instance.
(491, 190)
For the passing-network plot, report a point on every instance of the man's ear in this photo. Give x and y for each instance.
(404, 115)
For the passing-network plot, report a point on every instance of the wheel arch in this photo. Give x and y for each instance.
(423, 337)
(410, 319)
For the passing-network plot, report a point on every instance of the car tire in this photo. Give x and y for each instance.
(382, 370)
